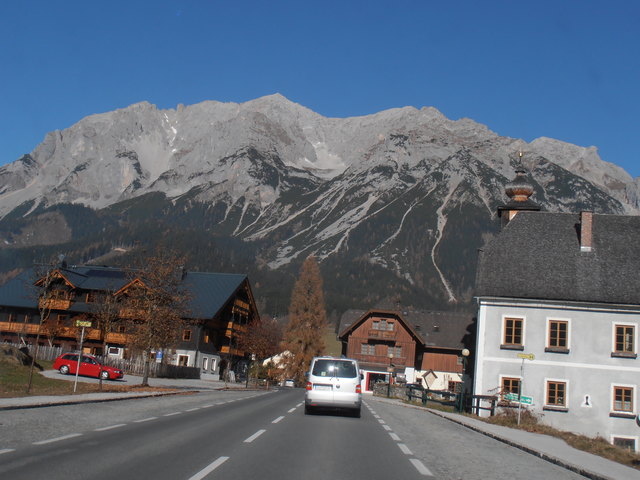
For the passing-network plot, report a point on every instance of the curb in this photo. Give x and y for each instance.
(556, 461)
(89, 400)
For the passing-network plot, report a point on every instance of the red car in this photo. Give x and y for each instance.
(90, 367)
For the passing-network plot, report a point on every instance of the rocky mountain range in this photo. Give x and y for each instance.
(394, 205)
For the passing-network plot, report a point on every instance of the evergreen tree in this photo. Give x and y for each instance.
(303, 336)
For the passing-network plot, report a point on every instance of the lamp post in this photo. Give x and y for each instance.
(390, 370)
(465, 355)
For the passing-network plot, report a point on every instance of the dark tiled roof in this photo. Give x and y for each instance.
(538, 256)
(437, 329)
(208, 292)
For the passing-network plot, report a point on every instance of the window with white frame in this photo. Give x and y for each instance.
(623, 398)
(513, 333)
(367, 349)
(624, 339)
(556, 394)
(557, 335)
(628, 443)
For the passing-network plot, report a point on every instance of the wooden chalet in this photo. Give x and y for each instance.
(422, 347)
(220, 307)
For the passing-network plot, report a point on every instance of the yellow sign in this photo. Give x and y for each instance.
(83, 323)
(527, 356)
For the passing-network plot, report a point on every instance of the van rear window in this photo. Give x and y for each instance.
(334, 368)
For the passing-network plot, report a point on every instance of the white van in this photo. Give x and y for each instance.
(333, 383)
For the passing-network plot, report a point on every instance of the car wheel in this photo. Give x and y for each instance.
(308, 410)
(64, 369)
(105, 375)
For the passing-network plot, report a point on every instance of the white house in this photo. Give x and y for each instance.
(558, 314)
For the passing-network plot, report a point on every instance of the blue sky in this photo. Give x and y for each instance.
(563, 69)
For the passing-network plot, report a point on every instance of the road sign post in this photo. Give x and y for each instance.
(83, 324)
(521, 398)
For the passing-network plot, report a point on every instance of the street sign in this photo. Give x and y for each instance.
(527, 356)
(513, 397)
(83, 323)
(526, 400)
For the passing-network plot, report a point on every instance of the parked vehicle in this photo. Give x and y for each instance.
(289, 383)
(333, 383)
(67, 363)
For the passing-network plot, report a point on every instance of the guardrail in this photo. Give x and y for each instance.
(461, 401)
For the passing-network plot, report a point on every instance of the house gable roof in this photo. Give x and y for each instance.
(208, 292)
(435, 329)
(383, 314)
(538, 255)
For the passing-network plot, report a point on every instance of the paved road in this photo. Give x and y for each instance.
(243, 435)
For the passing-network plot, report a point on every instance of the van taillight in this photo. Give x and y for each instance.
(309, 386)
(358, 388)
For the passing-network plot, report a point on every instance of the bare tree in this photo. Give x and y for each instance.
(262, 338)
(46, 277)
(303, 336)
(105, 313)
(155, 305)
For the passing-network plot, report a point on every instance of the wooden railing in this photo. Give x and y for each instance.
(380, 359)
(68, 332)
(382, 334)
(55, 303)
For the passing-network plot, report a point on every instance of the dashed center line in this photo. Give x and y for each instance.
(405, 449)
(110, 427)
(292, 409)
(171, 414)
(254, 436)
(145, 420)
(207, 406)
(277, 420)
(394, 436)
(193, 409)
(7, 450)
(420, 467)
(57, 439)
(386, 427)
(209, 468)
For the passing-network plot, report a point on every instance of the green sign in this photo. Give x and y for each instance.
(513, 397)
(83, 323)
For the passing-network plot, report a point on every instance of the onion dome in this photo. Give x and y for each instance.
(519, 189)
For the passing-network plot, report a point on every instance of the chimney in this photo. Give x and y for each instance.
(586, 231)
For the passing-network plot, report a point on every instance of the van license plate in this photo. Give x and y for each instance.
(322, 387)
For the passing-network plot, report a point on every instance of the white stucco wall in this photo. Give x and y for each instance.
(589, 369)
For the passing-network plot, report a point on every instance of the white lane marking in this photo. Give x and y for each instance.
(110, 427)
(254, 436)
(420, 467)
(386, 427)
(207, 406)
(394, 436)
(405, 449)
(57, 439)
(7, 450)
(292, 409)
(209, 468)
(145, 420)
(172, 414)
(381, 421)
(193, 409)
(277, 420)
(300, 404)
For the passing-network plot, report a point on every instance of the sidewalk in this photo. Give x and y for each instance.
(178, 386)
(549, 448)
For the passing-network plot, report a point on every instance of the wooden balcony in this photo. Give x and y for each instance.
(232, 351)
(55, 303)
(234, 329)
(382, 334)
(63, 332)
(15, 327)
(381, 360)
